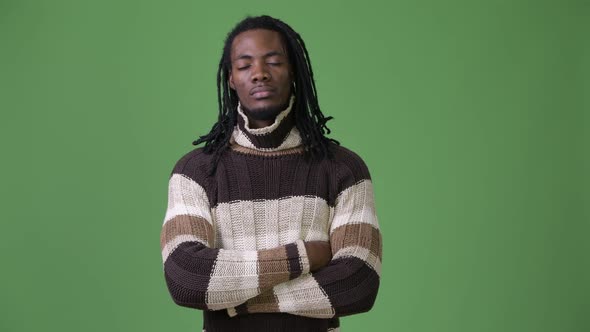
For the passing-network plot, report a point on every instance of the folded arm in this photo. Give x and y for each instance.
(349, 283)
(202, 277)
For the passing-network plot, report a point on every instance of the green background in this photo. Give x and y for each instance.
(471, 115)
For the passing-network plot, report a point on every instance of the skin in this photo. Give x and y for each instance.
(319, 254)
(261, 74)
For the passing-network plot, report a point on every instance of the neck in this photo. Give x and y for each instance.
(273, 135)
(264, 126)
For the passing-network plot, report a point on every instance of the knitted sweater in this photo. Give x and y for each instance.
(233, 243)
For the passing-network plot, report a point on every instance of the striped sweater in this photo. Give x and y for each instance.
(233, 243)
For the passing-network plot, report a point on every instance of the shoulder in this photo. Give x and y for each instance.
(193, 164)
(350, 167)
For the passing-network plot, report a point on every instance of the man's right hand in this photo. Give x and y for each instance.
(319, 254)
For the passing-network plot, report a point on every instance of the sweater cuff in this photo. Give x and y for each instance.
(303, 258)
(232, 312)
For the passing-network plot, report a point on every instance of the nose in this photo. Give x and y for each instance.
(260, 73)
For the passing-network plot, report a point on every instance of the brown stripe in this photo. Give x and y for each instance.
(265, 302)
(350, 283)
(218, 320)
(363, 235)
(195, 165)
(376, 246)
(186, 225)
(241, 177)
(242, 149)
(297, 177)
(269, 261)
(352, 169)
(188, 272)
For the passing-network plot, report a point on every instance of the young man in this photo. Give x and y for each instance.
(270, 226)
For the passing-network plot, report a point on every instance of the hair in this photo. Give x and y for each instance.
(309, 119)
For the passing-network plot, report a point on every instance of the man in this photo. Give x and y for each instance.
(270, 226)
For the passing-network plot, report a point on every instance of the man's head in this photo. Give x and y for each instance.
(264, 62)
(261, 74)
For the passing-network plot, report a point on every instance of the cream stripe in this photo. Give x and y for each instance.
(362, 253)
(271, 216)
(304, 258)
(268, 129)
(304, 297)
(236, 264)
(218, 300)
(234, 279)
(174, 243)
(187, 210)
(186, 197)
(271, 223)
(355, 205)
(292, 222)
(223, 227)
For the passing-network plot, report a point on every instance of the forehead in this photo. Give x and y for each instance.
(257, 42)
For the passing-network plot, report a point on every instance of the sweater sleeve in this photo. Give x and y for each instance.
(349, 283)
(200, 276)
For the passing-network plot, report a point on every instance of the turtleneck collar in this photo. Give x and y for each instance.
(281, 135)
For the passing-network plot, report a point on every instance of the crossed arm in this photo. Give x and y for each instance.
(272, 280)
(202, 277)
(349, 283)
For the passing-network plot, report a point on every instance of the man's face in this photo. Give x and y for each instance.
(260, 73)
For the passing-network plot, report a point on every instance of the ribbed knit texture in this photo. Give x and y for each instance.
(233, 244)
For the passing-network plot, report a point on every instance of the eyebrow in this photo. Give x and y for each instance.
(269, 54)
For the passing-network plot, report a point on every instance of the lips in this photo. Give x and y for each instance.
(261, 91)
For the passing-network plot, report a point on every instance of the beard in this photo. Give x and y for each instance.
(265, 113)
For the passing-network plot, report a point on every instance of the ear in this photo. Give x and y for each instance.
(231, 81)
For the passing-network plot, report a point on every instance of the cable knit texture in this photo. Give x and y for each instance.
(233, 243)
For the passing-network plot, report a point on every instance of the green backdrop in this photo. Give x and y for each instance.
(471, 115)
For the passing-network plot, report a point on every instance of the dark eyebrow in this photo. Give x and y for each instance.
(267, 55)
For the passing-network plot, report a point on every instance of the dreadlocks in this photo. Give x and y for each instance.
(309, 119)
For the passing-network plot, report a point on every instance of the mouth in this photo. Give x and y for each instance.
(260, 92)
